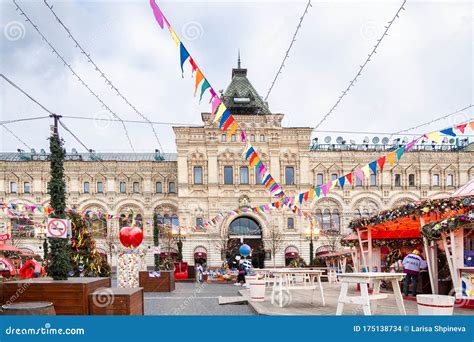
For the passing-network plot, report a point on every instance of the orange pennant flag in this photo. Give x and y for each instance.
(311, 194)
(232, 130)
(199, 78)
(391, 158)
(472, 125)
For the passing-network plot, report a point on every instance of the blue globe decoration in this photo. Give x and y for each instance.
(245, 250)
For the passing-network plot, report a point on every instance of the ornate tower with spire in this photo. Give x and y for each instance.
(241, 97)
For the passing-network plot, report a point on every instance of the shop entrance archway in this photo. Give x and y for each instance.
(245, 229)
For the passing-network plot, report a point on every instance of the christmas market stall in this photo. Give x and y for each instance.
(455, 234)
(402, 226)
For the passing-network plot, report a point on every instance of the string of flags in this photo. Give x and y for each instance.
(15, 209)
(378, 164)
(222, 115)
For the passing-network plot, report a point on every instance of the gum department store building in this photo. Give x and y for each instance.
(208, 175)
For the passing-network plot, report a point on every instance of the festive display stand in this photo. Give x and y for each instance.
(69, 297)
(130, 262)
(158, 281)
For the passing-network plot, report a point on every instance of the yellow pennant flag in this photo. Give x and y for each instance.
(391, 158)
(219, 112)
(174, 36)
(199, 78)
(435, 136)
(311, 194)
(366, 170)
(232, 130)
(333, 184)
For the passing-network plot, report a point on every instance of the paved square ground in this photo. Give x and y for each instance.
(195, 299)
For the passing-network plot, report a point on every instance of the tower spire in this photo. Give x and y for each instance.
(238, 60)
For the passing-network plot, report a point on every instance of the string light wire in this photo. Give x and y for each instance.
(22, 13)
(102, 74)
(361, 67)
(287, 54)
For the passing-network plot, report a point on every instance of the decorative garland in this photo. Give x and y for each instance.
(415, 210)
(432, 231)
(391, 243)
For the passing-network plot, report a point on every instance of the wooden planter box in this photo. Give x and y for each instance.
(163, 283)
(69, 297)
(117, 301)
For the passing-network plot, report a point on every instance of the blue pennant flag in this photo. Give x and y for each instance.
(224, 117)
(184, 55)
(301, 198)
(249, 153)
(373, 166)
(342, 181)
(448, 131)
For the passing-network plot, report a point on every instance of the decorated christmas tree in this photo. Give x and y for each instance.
(58, 258)
(86, 261)
(156, 241)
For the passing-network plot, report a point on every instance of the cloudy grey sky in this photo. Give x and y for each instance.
(422, 70)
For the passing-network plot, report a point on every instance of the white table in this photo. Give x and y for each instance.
(364, 279)
(286, 280)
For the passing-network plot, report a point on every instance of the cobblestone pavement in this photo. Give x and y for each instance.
(195, 299)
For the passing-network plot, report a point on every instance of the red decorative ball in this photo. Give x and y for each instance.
(136, 236)
(125, 235)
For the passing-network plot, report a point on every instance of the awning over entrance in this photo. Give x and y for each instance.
(200, 252)
(291, 252)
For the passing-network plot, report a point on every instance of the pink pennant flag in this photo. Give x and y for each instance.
(409, 146)
(461, 127)
(325, 188)
(359, 174)
(157, 13)
(215, 104)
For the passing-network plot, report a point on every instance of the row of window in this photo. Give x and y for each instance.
(26, 187)
(135, 187)
(243, 175)
(397, 181)
(233, 138)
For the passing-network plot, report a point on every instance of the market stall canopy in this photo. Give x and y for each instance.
(407, 217)
(466, 190)
(337, 254)
(386, 235)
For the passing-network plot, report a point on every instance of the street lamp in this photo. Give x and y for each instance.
(312, 233)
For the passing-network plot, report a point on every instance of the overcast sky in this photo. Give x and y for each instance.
(422, 70)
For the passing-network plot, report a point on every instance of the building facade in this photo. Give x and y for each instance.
(208, 175)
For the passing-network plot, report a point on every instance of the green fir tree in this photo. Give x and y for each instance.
(58, 259)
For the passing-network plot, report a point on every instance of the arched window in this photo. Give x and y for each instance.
(167, 220)
(159, 187)
(336, 220)
(357, 214)
(199, 221)
(124, 221)
(26, 187)
(319, 217)
(319, 179)
(138, 221)
(172, 187)
(98, 226)
(136, 187)
(174, 220)
(244, 226)
(252, 137)
(291, 223)
(326, 219)
(435, 180)
(159, 219)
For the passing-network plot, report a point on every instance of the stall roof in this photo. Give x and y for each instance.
(466, 190)
(387, 235)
